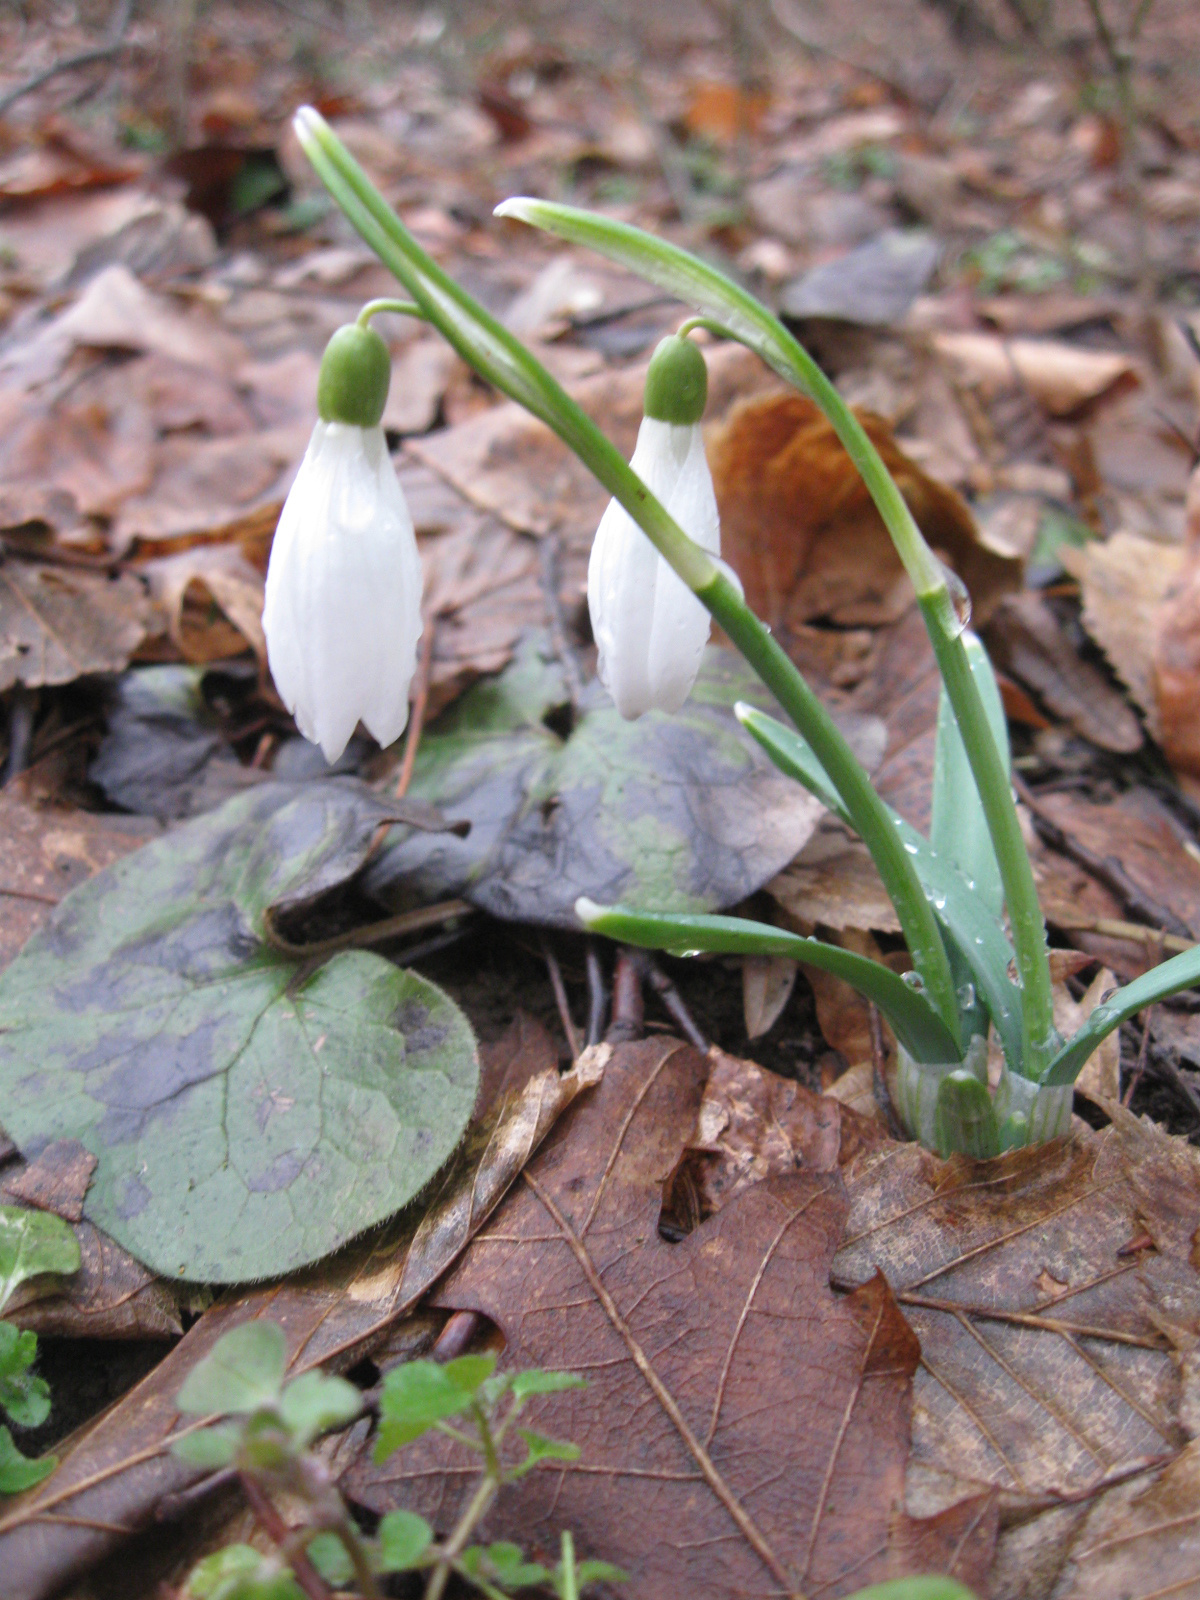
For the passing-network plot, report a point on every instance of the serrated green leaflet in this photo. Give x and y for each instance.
(404, 1538)
(18, 1472)
(247, 1119)
(414, 1397)
(24, 1397)
(678, 813)
(33, 1243)
(243, 1371)
(315, 1402)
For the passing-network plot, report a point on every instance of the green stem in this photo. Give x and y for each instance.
(742, 317)
(479, 1503)
(401, 308)
(999, 808)
(492, 350)
(570, 1579)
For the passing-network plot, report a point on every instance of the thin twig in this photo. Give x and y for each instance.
(419, 704)
(1135, 1076)
(184, 1501)
(1105, 869)
(560, 999)
(1114, 928)
(597, 995)
(550, 551)
(305, 1574)
(673, 1002)
(372, 933)
(457, 1337)
(84, 58)
(628, 1009)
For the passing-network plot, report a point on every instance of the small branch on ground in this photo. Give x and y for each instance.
(560, 999)
(674, 1004)
(597, 995)
(419, 703)
(550, 554)
(628, 1007)
(85, 58)
(457, 1337)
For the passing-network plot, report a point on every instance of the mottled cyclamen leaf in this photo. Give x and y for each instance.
(671, 813)
(247, 1117)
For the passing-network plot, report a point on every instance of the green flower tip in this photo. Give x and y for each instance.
(677, 382)
(356, 370)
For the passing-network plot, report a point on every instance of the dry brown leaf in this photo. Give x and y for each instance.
(1100, 1079)
(771, 1417)
(57, 623)
(1024, 638)
(1061, 377)
(801, 530)
(1125, 582)
(117, 1469)
(212, 599)
(833, 882)
(44, 852)
(767, 984)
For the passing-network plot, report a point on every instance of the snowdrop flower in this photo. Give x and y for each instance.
(343, 599)
(648, 625)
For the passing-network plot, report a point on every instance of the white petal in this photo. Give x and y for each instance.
(343, 614)
(649, 627)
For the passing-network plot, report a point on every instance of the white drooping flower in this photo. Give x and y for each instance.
(648, 625)
(343, 597)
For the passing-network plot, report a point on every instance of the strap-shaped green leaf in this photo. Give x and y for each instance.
(958, 828)
(975, 934)
(914, 1021)
(1181, 972)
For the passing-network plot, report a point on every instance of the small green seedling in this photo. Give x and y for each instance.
(266, 1436)
(33, 1244)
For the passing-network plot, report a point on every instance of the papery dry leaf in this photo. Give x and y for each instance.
(1100, 1079)
(767, 984)
(834, 883)
(803, 534)
(118, 1468)
(58, 624)
(212, 599)
(1125, 582)
(1024, 638)
(1061, 377)
(1140, 836)
(1176, 661)
(770, 1417)
(55, 1180)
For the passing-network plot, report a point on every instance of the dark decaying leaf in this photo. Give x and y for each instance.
(680, 813)
(57, 624)
(118, 1469)
(744, 1430)
(163, 754)
(247, 1118)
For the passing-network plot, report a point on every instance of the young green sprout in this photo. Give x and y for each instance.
(965, 896)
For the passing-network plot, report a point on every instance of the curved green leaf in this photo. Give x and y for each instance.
(1180, 972)
(958, 827)
(975, 934)
(33, 1243)
(247, 1118)
(914, 1021)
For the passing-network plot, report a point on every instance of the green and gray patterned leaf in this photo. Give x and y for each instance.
(670, 813)
(248, 1116)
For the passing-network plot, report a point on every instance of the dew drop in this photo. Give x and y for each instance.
(966, 996)
(915, 981)
(910, 847)
(978, 939)
(939, 902)
(960, 600)
(1011, 971)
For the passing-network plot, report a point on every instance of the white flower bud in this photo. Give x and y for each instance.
(343, 600)
(649, 627)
